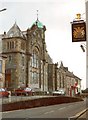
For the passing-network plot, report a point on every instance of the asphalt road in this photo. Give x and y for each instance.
(69, 111)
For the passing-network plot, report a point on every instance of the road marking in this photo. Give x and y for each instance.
(13, 111)
(49, 112)
(61, 108)
(54, 110)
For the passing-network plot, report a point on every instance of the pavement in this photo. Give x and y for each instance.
(20, 98)
(78, 115)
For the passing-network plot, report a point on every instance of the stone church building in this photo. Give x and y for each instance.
(27, 57)
(28, 62)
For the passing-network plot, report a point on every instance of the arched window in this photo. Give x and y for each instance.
(35, 60)
(35, 66)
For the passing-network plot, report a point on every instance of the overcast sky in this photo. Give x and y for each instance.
(56, 15)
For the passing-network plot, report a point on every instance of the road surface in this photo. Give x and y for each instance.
(67, 110)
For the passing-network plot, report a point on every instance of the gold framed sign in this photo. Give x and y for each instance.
(78, 31)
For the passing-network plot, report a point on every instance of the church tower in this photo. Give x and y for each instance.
(14, 47)
(36, 49)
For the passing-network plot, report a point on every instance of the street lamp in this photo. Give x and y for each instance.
(3, 9)
(83, 47)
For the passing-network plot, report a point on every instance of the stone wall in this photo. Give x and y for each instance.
(39, 102)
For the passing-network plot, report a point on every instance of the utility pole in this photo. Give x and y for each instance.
(2, 71)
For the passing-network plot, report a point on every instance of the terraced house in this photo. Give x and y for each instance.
(28, 62)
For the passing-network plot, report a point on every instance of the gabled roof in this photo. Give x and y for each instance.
(15, 32)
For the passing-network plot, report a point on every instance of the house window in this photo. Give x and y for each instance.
(0, 66)
(35, 67)
(35, 61)
(10, 45)
(35, 77)
(7, 45)
(23, 46)
(10, 58)
(22, 60)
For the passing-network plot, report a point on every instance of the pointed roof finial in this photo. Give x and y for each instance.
(61, 64)
(37, 15)
(15, 23)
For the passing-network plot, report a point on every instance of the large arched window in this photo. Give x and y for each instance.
(35, 66)
(35, 60)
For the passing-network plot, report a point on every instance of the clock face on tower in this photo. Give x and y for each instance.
(78, 32)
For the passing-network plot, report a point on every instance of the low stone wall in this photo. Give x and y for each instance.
(39, 102)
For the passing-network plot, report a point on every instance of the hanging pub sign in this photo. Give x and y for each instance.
(78, 31)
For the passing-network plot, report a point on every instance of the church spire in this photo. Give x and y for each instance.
(38, 23)
(37, 15)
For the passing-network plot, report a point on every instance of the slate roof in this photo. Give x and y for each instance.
(68, 73)
(15, 32)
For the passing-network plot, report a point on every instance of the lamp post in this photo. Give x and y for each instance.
(3, 9)
(83, 47)
(3, 74)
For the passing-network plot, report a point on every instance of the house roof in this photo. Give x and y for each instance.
(68, 73)
(15, 32)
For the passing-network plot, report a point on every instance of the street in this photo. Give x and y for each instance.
(69, 110)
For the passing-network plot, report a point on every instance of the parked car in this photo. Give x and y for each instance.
(59, 92)
(4, 93)
(24, 91)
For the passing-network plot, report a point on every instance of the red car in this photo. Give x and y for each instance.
(23, 91)
(4, 93)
